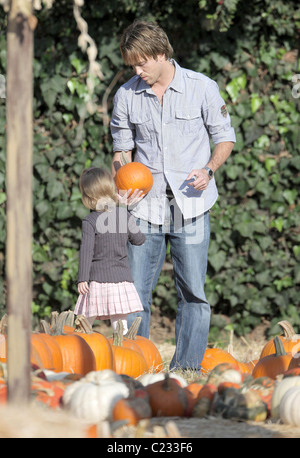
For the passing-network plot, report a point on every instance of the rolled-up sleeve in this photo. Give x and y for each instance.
(122, 130)
(216, 116)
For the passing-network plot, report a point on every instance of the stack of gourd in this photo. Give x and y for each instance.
(95, 379)
(275, 377)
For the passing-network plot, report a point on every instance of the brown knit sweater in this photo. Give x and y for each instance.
(103, 251)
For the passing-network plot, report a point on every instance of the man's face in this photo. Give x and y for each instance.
(150, 69)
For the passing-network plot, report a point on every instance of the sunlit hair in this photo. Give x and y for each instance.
(98, 190)
(144, 40)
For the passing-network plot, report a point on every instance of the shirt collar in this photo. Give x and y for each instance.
(175, 84)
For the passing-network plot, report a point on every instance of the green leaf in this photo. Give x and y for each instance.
(256, 102)
(236, 86)
(217, 260)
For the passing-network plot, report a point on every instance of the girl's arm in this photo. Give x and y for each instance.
(86, 252)
(135, 236)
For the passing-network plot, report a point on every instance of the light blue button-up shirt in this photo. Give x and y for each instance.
(172, 139)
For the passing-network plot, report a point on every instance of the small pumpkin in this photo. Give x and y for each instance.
(167, 398)
(148, 348)
(273, 365)
(131, 410)
(290, 341)
(92, 401)
(127, 361)
(133, 175)
(98, 342)
(213, 357)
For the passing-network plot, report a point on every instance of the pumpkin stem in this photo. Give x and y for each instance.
(132, 332)
(279, 348)
(45, 327)
(53, 319)
(288, 329)
(70, 317)
(82, 325)
(3, 324)
(118, 335)
(166, 385)
(123, 158)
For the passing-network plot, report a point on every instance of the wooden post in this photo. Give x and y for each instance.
(19, 198)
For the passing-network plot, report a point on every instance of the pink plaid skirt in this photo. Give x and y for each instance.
(106, 299)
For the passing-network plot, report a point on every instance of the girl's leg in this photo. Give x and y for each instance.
(114, 320)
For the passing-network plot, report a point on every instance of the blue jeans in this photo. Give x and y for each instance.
(189, 242)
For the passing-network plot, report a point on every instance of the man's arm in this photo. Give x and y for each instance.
(116, 160)
(221, 153)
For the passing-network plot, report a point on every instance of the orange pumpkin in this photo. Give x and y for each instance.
(98, 342)
(77, 355)
(133, 175)
(57, 361)
(148, 348)
(204, 400)
(167, 398)
(192, 390)
(126, 360)
(295, 363)
(244, 367)
(290, 341)
(273, 365)
(215, 356)
(40, 352)
(132, 410)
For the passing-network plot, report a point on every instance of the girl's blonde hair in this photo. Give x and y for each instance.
(143, 40)
(98, 189)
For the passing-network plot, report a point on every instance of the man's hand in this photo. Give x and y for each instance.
(201, 179)
(83, 287)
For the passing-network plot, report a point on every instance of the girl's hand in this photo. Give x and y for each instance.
(83, 287)
(135, 197)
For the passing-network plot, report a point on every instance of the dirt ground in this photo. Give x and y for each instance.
(244, 349)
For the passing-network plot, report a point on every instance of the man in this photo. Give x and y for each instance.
(168, 115)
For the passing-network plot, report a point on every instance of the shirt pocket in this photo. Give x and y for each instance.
(143, 126)
(188, 120)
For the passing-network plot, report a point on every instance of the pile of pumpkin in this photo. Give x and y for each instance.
(97, 379)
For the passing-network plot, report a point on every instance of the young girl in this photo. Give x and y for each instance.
(105, 285)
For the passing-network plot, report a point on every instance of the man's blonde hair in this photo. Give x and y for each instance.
(143, 40)
(98, 189)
